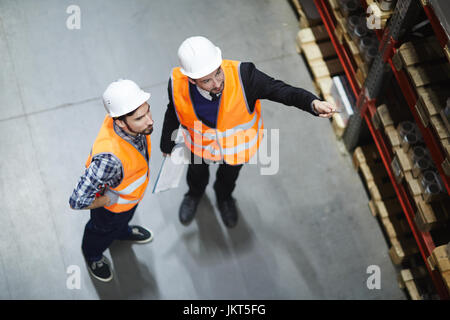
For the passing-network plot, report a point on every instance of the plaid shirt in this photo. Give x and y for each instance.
(104, 169)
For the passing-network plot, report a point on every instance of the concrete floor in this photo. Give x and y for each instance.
(304, 233)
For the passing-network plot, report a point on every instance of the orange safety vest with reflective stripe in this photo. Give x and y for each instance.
(135, 167)
(238, 132)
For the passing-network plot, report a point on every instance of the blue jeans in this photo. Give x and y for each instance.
(102, 229)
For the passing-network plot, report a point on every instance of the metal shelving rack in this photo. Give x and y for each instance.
(381, 69)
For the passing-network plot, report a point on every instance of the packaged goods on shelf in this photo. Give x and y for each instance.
(431, 100)
(409, 135)
(411, 280)
(417, 52)
(343, 97)
(421, 160)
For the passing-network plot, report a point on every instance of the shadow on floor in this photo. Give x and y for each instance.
(210, 240)
(241, 236)
(132, 279)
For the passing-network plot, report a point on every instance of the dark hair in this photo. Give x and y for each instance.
(122, 117)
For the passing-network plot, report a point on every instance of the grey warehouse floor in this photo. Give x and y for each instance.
(304, 233)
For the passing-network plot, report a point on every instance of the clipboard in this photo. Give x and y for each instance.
(171, 170)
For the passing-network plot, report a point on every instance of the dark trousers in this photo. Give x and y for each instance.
(102, 229)
(198, 178)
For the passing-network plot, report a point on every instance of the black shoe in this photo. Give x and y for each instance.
(228, 212)
(139, 235)
(100, 269)
(188, 208)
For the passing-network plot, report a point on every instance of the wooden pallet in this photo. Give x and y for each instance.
(326, 68)
(409, 279)
(401, 164)
(338, 124)
(306, 13)
(384, 204)
(426, 74)
(440, 259)
(431, 101)
(314, 34)
(402, 249)
(316, 47)
(367, 162)
(367, 154)
(396, 226)
(322, 50)
(385, 208)
(431, 216)
(382, 118)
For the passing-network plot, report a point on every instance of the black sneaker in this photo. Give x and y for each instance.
(100, 269)
(228, 212)
(139, 235)
(188, 208)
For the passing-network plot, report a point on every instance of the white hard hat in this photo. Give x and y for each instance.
(198, 57)
(122, 97)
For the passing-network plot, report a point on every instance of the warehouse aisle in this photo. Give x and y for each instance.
(304, 233)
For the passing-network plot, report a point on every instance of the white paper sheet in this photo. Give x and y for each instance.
(172, 169)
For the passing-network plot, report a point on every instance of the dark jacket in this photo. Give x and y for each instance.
(257, 85)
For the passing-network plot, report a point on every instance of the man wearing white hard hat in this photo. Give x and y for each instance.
(116, 176)
(216, 102)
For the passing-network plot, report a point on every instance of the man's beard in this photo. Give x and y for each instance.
(146, 132)
(215, 91)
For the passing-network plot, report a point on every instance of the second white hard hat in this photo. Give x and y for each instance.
(122, 97)
(198, 57)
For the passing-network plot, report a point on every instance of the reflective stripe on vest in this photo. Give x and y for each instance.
(238, 134)
(226, 151)
(134, 166)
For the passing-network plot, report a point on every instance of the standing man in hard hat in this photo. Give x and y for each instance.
(217, 104)
(116, 175)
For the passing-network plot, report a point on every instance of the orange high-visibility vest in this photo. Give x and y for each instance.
(135, 167)
(239, 132)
